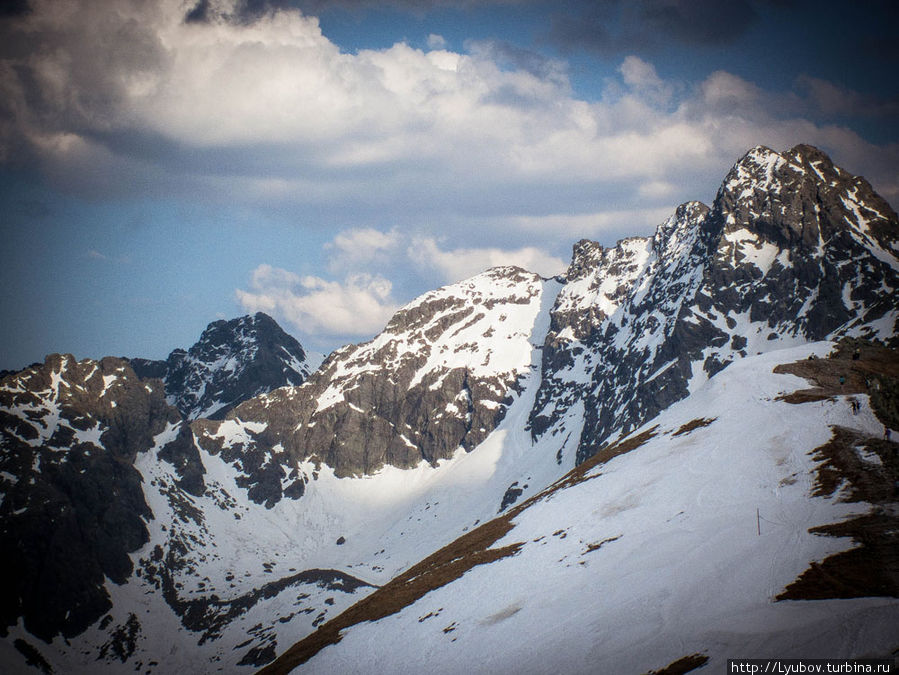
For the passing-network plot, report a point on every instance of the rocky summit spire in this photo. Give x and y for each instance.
(232, 362)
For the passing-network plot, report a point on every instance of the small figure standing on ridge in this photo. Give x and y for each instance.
(886, 433)
(855, 354)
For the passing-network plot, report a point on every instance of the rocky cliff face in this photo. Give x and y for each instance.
(793, 249)
(73, 505)
(233, 361)
(111, 521)
(438, 378)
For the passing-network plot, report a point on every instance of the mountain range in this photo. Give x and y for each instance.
(671, 454)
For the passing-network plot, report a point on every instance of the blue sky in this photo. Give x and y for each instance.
(164, 164)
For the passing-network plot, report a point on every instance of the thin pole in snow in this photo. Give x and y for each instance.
(758, 521)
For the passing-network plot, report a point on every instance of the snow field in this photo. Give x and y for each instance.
(688, 571)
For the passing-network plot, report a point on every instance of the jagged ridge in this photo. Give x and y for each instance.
(793, 249)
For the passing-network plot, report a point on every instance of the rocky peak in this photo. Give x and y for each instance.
(438, 378)
(680, 230)
(799, 199)
(816, 161)
(585, 258)
(230, 363)
(792, 249)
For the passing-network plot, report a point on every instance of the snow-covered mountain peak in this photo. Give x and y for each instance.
(438, 378)
(793, 249)
(799, 200)
(498, 285)
(230, 363)
(680, 231)
(812, 159)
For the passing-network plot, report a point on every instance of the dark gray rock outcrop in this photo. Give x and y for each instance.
(73, 505)
(233, 361)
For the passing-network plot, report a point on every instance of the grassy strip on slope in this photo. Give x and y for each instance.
(847, 464)
(442, 567)
(683, 665)
(875, 372)
(864, 468)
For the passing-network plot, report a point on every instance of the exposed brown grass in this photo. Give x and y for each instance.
(683, 665)
(579, 473)
(599, 544)
(694, 424)
(442, 567)
(872, 567)
(841, 465)
(875, 373)
(869, 570)
(438, 569)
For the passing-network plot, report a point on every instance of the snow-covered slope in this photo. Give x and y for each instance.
(677, 540)
(233, 361)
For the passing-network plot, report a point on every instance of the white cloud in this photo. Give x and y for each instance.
(360, 305)
(655, 189)
(377, 251)
(596, 224)
(461, 263)
(356, 248)
(724, 90)
(642, 78)
(272, 110)
(436, 41)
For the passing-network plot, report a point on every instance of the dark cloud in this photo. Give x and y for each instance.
(700, 22)
(508, 55)
(613, 27)
(10, 8)
(55, 83)
(833, 100)
(248, 11)
(317, 6)
(243, 11)
(200, 13)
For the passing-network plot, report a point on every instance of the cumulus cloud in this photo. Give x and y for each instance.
(248, 100)
(461, 263)
(359, 305)
(436, 41)
(378, 251)
(641, 77)
(359, 248)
